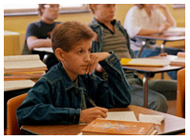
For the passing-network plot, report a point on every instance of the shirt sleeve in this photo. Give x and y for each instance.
(38, 108)
(116, 92)
(32, 30)
(131, 22)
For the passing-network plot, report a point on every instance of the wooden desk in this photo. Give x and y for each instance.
(150, 71)
(44, 49)
(162, 37)
(171, 124)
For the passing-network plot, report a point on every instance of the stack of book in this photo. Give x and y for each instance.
(23, 67)
(114, 127)
(179, 60)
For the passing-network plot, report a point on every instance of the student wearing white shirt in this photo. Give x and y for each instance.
(146, 19)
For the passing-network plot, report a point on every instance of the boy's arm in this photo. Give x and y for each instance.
(39, 108)
(117, 92)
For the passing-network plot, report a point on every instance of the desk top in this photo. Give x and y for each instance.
(171, 124)
(6, 33)
(162, 37)
(147, 69)
(44, 49)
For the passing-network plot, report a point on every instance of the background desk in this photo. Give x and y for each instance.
(150, 71)
(171, 124)
(161, 37)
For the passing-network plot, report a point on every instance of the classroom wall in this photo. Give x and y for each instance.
(21, 22)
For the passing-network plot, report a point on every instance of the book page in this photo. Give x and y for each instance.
(157, 119)
(121, 116)
(14, 58)
(17, 84)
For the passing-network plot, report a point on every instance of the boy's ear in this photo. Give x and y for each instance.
(59, 54)
(93, 6)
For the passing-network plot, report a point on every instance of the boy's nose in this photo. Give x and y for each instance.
(87, 57)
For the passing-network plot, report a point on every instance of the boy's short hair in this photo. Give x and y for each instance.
(40, 7)
(70, 33)
(91, 9)
(140, 6)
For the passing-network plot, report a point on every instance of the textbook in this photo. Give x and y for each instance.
(18, 84)
(180, 60)
(113, 127)
(23, 63)
(174, 31)
(144, 62)
(24, 75)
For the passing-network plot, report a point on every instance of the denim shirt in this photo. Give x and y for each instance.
(97, 45)
(54, 99)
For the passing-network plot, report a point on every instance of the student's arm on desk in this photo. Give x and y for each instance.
(34, 42)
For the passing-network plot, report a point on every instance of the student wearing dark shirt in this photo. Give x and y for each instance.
(69, 93)
(38, 34)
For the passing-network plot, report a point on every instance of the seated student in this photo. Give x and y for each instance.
(69, 93)
(38, 34)
(112, 36)
(147, 19)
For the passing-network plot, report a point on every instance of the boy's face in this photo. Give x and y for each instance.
(76, 61)
(51, 11)
(104, 12)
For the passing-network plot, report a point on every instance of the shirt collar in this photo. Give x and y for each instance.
(67, 80)
(145, 15)
(103, 25)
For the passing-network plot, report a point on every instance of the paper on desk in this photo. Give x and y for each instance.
(121, 116)
(157, 119)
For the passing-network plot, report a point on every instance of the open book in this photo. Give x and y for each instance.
(174, 31)
(23, 63)
(144, 62)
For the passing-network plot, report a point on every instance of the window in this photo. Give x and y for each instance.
(31, 9)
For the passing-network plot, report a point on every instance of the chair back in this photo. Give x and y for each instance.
(180, 100)
(12, 105)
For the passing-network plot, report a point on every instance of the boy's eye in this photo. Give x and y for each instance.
(80, 51)
(90, 50)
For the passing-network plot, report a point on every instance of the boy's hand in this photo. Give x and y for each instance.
(163, 54)
(163, 27)
(90, 114)
(99, 68)
(95, 58)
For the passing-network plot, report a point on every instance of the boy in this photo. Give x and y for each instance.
(38, 34)
(112, 36)
(69, 93)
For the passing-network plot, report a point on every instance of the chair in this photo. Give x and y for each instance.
(180, 101)
(12, 105)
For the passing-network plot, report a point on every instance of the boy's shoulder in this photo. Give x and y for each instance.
(53, 74)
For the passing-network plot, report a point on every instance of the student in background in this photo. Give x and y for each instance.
(69, 93)
(38, 34)
(147, 19)
(112, 36)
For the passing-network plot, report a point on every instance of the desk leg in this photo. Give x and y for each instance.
(145, 88)
(162, 51)
(142, 47)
